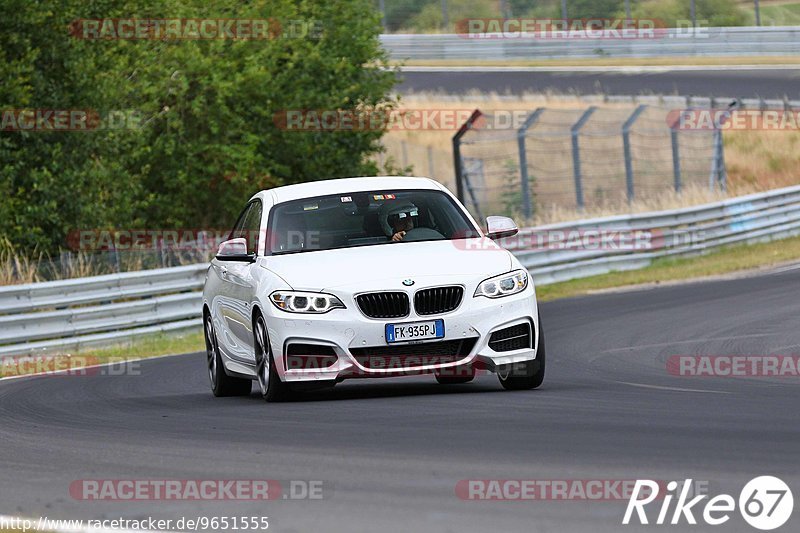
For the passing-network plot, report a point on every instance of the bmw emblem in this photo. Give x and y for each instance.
(408, 282)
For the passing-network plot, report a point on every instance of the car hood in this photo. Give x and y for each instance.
(366, 267)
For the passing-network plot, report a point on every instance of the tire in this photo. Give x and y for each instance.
(461, 374)
(531, 373)
(221, 383)
(269, 383)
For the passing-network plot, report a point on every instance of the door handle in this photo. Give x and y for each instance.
(223, 271)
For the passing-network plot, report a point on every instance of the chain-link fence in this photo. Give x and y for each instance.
(590, 158)
(443, 15)
(105, 257)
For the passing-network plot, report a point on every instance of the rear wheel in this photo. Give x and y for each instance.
(454, 376)
(527, 375)
(270, 384)
(221, 383)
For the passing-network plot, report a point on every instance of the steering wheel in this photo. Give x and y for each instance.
(422, 234)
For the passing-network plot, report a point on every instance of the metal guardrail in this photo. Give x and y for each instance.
(77, 312)
(65, 315)
(718, 41)
(679, 232)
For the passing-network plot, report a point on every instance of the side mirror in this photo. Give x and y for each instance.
(499, 227)
(235, 250)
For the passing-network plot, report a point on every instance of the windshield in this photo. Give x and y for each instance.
(365, 219)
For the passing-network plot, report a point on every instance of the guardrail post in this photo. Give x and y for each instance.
(523, 161)
(576, 155)
(626, 146)
(457, 163)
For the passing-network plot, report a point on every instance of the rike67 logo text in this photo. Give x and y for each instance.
(765, 503)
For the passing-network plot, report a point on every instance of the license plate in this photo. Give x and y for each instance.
(415, 331)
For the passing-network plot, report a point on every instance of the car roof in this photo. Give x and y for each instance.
(346, 185)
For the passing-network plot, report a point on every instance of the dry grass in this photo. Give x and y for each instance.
(759, 160)
(729, 260)
(17, 268)
(755, 160)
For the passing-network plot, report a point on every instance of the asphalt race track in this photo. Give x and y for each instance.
(391, 452)
(737, 83)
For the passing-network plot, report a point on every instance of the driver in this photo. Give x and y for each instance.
(398, 219)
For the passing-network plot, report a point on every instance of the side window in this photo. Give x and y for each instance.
(238, 228)
(252, 227)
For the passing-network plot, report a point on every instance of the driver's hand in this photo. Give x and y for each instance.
(398, 236)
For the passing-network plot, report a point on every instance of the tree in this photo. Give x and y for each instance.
(208, 138)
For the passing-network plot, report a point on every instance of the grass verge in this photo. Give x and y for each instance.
(723, 261)
(147, 346)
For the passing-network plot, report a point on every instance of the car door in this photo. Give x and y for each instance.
(232, 307)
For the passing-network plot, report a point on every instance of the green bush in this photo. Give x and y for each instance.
(208, 141)
(708, 12)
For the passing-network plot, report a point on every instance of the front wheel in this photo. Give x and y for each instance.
(272, 388)
(221, 383)
(527, 375)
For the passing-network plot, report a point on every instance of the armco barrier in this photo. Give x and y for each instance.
(688, 231)
(64, 315)
(68, 314)
(717, 41)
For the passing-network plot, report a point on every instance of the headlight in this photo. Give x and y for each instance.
(305, 302)
(503, 285)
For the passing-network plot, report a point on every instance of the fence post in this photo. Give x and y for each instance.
(719, 175)
(382, 9)
(722, 172)
(626, 146)
(523, 161)
(471, 191)
(457, 163)
(576, 155)
(676, 158)
(64, 273)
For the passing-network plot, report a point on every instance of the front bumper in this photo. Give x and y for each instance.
(344, 329)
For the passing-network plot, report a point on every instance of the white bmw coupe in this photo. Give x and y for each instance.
(366, 278)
